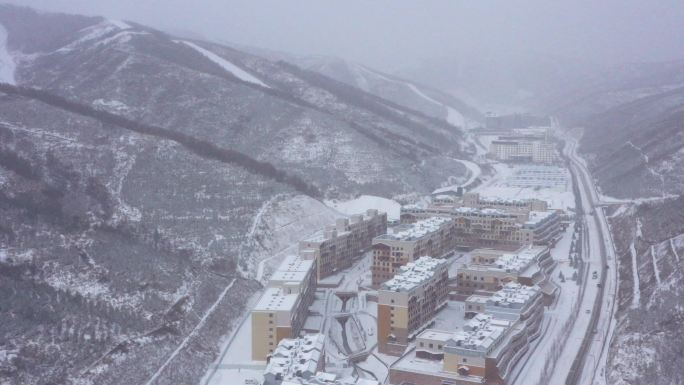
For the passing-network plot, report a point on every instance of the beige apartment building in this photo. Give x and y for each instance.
(335, 248)
(474, 200)
(432, 236)
(484, 350)
(283, 308)
(408, 302)
(490, 270)
(508, 226)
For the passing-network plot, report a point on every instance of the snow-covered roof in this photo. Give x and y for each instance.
(487, 212)
(416, 230)
(293, 269)
(513, 295)
(275, 299)
(536, 217)
(414, 274)
(481, 334)
(292, 358)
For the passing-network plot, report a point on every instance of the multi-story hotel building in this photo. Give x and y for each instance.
(408, 302)
(484, 350)
(490, 270)
(523, 149)
(335, 248)
(283, 308)
(432, 236)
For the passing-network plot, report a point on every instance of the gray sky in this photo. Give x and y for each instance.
(391, 34)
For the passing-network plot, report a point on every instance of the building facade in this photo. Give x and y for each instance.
(490, 270)
(432, 236)
(283, 308)
(408, 302)
(335, 248)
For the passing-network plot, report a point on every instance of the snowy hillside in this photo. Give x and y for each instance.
(148, 186)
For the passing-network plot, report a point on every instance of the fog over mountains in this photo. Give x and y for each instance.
(146, 176)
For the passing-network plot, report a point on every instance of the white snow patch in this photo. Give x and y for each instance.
(655, 265)
(119, 24)
(111, 105)
(7, 65)
(674, 244)
(635, 278)
(454, 117)
(365, 202)
(225, 64)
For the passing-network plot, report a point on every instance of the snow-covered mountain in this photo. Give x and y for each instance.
(143, 178)
(407, 93)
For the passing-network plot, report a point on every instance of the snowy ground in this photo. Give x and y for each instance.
(365, 202)
(7, 65)
(552, 184)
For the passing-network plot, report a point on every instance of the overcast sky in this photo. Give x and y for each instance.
(390, 34)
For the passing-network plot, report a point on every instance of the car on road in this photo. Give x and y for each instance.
(587, 311)
(594, 275)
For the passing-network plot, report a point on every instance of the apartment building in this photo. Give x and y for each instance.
(282, 310)
(474, 200)
(546, 227)
(492, 223)
(490, 270)
(431, 236)
(408, 302)
(484, 350)
(335, 248)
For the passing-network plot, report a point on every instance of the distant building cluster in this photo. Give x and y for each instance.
(500, 223)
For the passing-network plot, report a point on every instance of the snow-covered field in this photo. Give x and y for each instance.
(365, 202)
(552, 184)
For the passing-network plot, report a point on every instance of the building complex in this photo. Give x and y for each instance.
(507, 224)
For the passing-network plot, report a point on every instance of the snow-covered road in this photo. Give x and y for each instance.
(590, 367)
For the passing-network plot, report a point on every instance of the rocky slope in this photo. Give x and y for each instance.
(647, 345)
(634, 141)
(143, 179)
